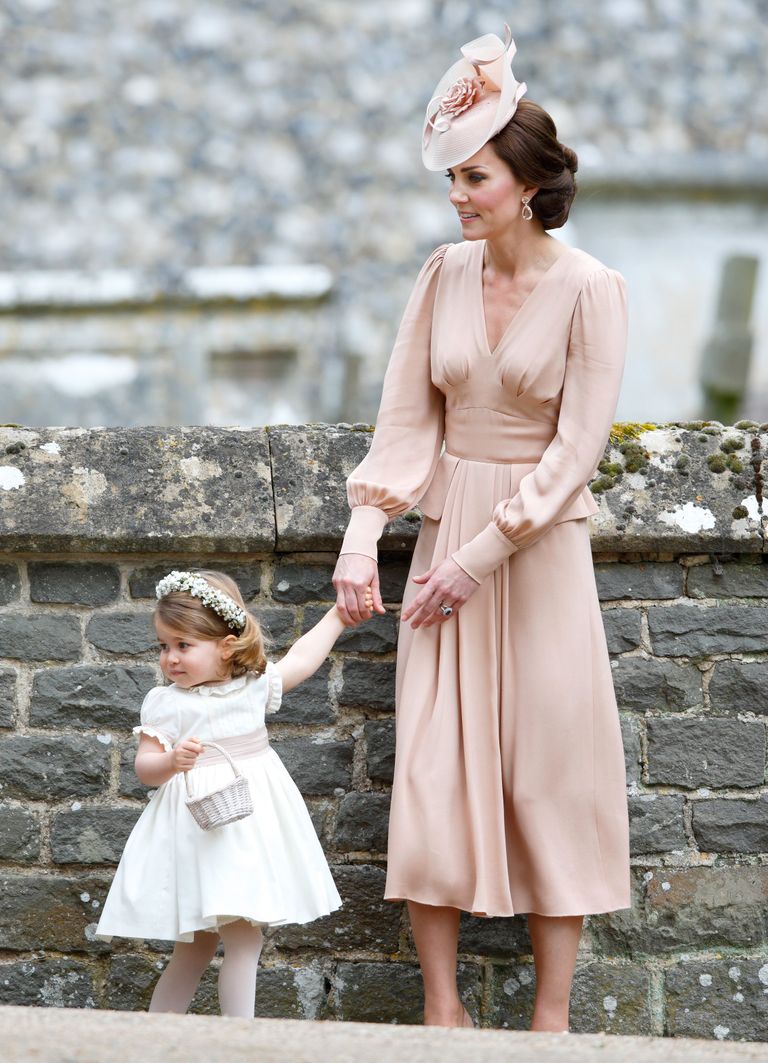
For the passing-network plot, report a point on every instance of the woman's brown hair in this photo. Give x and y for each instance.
(183, 612)
(528, 144)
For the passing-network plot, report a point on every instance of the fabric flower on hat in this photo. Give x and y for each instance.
(461, 95)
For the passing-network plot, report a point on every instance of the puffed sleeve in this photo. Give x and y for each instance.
(274, 689)
(409, 427)
(593, 374)
(159, 718)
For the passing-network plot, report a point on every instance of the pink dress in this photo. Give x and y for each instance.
(509, 792)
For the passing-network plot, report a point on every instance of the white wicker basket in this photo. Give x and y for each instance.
(229, 803)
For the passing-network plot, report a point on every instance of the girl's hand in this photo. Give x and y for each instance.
(185, 754)
(446, 584)
(355, 575)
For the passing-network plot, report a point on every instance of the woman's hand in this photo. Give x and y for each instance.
(185, 754)
(356, 577)
(445, 584)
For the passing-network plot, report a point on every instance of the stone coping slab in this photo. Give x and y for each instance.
(680, 488)
(142, 490)
(52, 1035)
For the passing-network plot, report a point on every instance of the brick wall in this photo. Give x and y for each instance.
(686, 630)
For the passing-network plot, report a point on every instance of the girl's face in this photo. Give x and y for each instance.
(486, 195)
(188, 660)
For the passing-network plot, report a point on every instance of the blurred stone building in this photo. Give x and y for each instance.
(213, 210)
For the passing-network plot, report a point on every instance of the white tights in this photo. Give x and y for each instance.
(237, 976)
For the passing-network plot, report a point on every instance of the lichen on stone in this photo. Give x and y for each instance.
(623, 432)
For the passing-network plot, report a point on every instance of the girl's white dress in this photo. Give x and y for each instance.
(175, 878)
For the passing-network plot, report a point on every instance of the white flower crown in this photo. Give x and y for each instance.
(221, 603)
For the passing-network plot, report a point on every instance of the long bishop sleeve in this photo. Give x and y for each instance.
(593, 373)
(409, 427)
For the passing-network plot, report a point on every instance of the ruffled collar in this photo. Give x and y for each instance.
(207, 690)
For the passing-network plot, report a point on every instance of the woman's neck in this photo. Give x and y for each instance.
(521, 252)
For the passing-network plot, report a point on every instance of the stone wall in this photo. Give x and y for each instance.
(88, 522)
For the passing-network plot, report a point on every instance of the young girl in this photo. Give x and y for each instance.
(176, 881)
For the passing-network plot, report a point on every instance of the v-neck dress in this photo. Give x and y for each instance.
(509, 791)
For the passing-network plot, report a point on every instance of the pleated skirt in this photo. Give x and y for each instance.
(509, 792)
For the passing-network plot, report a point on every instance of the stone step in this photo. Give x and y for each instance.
(52, 1035)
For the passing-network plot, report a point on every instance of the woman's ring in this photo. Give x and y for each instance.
(446, 610)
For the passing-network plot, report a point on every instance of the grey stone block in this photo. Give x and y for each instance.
(740, 686)
(40, 637)
(380, 749)
(131, 981)
(511, 997)
(724, 999)
(293, 992)
(365, 921)
(393, 575)
(616, 581)
(54, 912)
(297, 584)
(111, 492)
(74, 583)
(10, 584)
(44, 768)
(622, 629)
(688, 910)
(47, 983)
(656, 824)
(142, 581)
(369, 684)
(647, 683)
(91, 835)
(377, 635)
(726, 825)
(123, 633)
(317, 766)
(611, 998)
(88, 696)
(129, 785)
(706, 752)
(735, 581)
(19, 835)
(362, 823)
(498, 938)
(698, 631)
(310, 465)
(279, 627)
(7, 697)
(630, 736)
(378, 992)
(309, 702)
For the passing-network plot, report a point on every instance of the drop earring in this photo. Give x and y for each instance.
(526, 212)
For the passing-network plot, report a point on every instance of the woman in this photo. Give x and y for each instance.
(509, 793)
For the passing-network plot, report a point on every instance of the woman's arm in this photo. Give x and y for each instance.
(154, 765)
(406, 446)
(307, 654)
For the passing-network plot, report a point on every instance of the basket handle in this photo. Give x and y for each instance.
(224, 753)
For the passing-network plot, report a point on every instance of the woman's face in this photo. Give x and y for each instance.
(486, 195)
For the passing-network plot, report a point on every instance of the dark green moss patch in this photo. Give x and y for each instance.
(716, 462)
(732, 443)
(740, 513)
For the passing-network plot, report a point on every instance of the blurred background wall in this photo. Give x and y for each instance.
(214, 211)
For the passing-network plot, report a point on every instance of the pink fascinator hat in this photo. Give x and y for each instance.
(472, 101)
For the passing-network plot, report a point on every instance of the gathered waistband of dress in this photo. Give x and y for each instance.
(240, 747)
(492, 436)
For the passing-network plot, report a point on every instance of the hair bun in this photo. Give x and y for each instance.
(570, 159)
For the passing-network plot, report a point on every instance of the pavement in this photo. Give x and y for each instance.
(53, 1035)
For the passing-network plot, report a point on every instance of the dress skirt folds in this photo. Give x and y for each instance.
(509, 792)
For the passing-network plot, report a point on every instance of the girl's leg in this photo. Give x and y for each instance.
(237, 977)
(179, 980)
(436, 934)
(555, 944)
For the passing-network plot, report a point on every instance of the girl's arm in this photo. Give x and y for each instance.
(154, 766)
(307, 654)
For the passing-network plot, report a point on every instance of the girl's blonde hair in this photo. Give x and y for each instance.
(184, 613)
